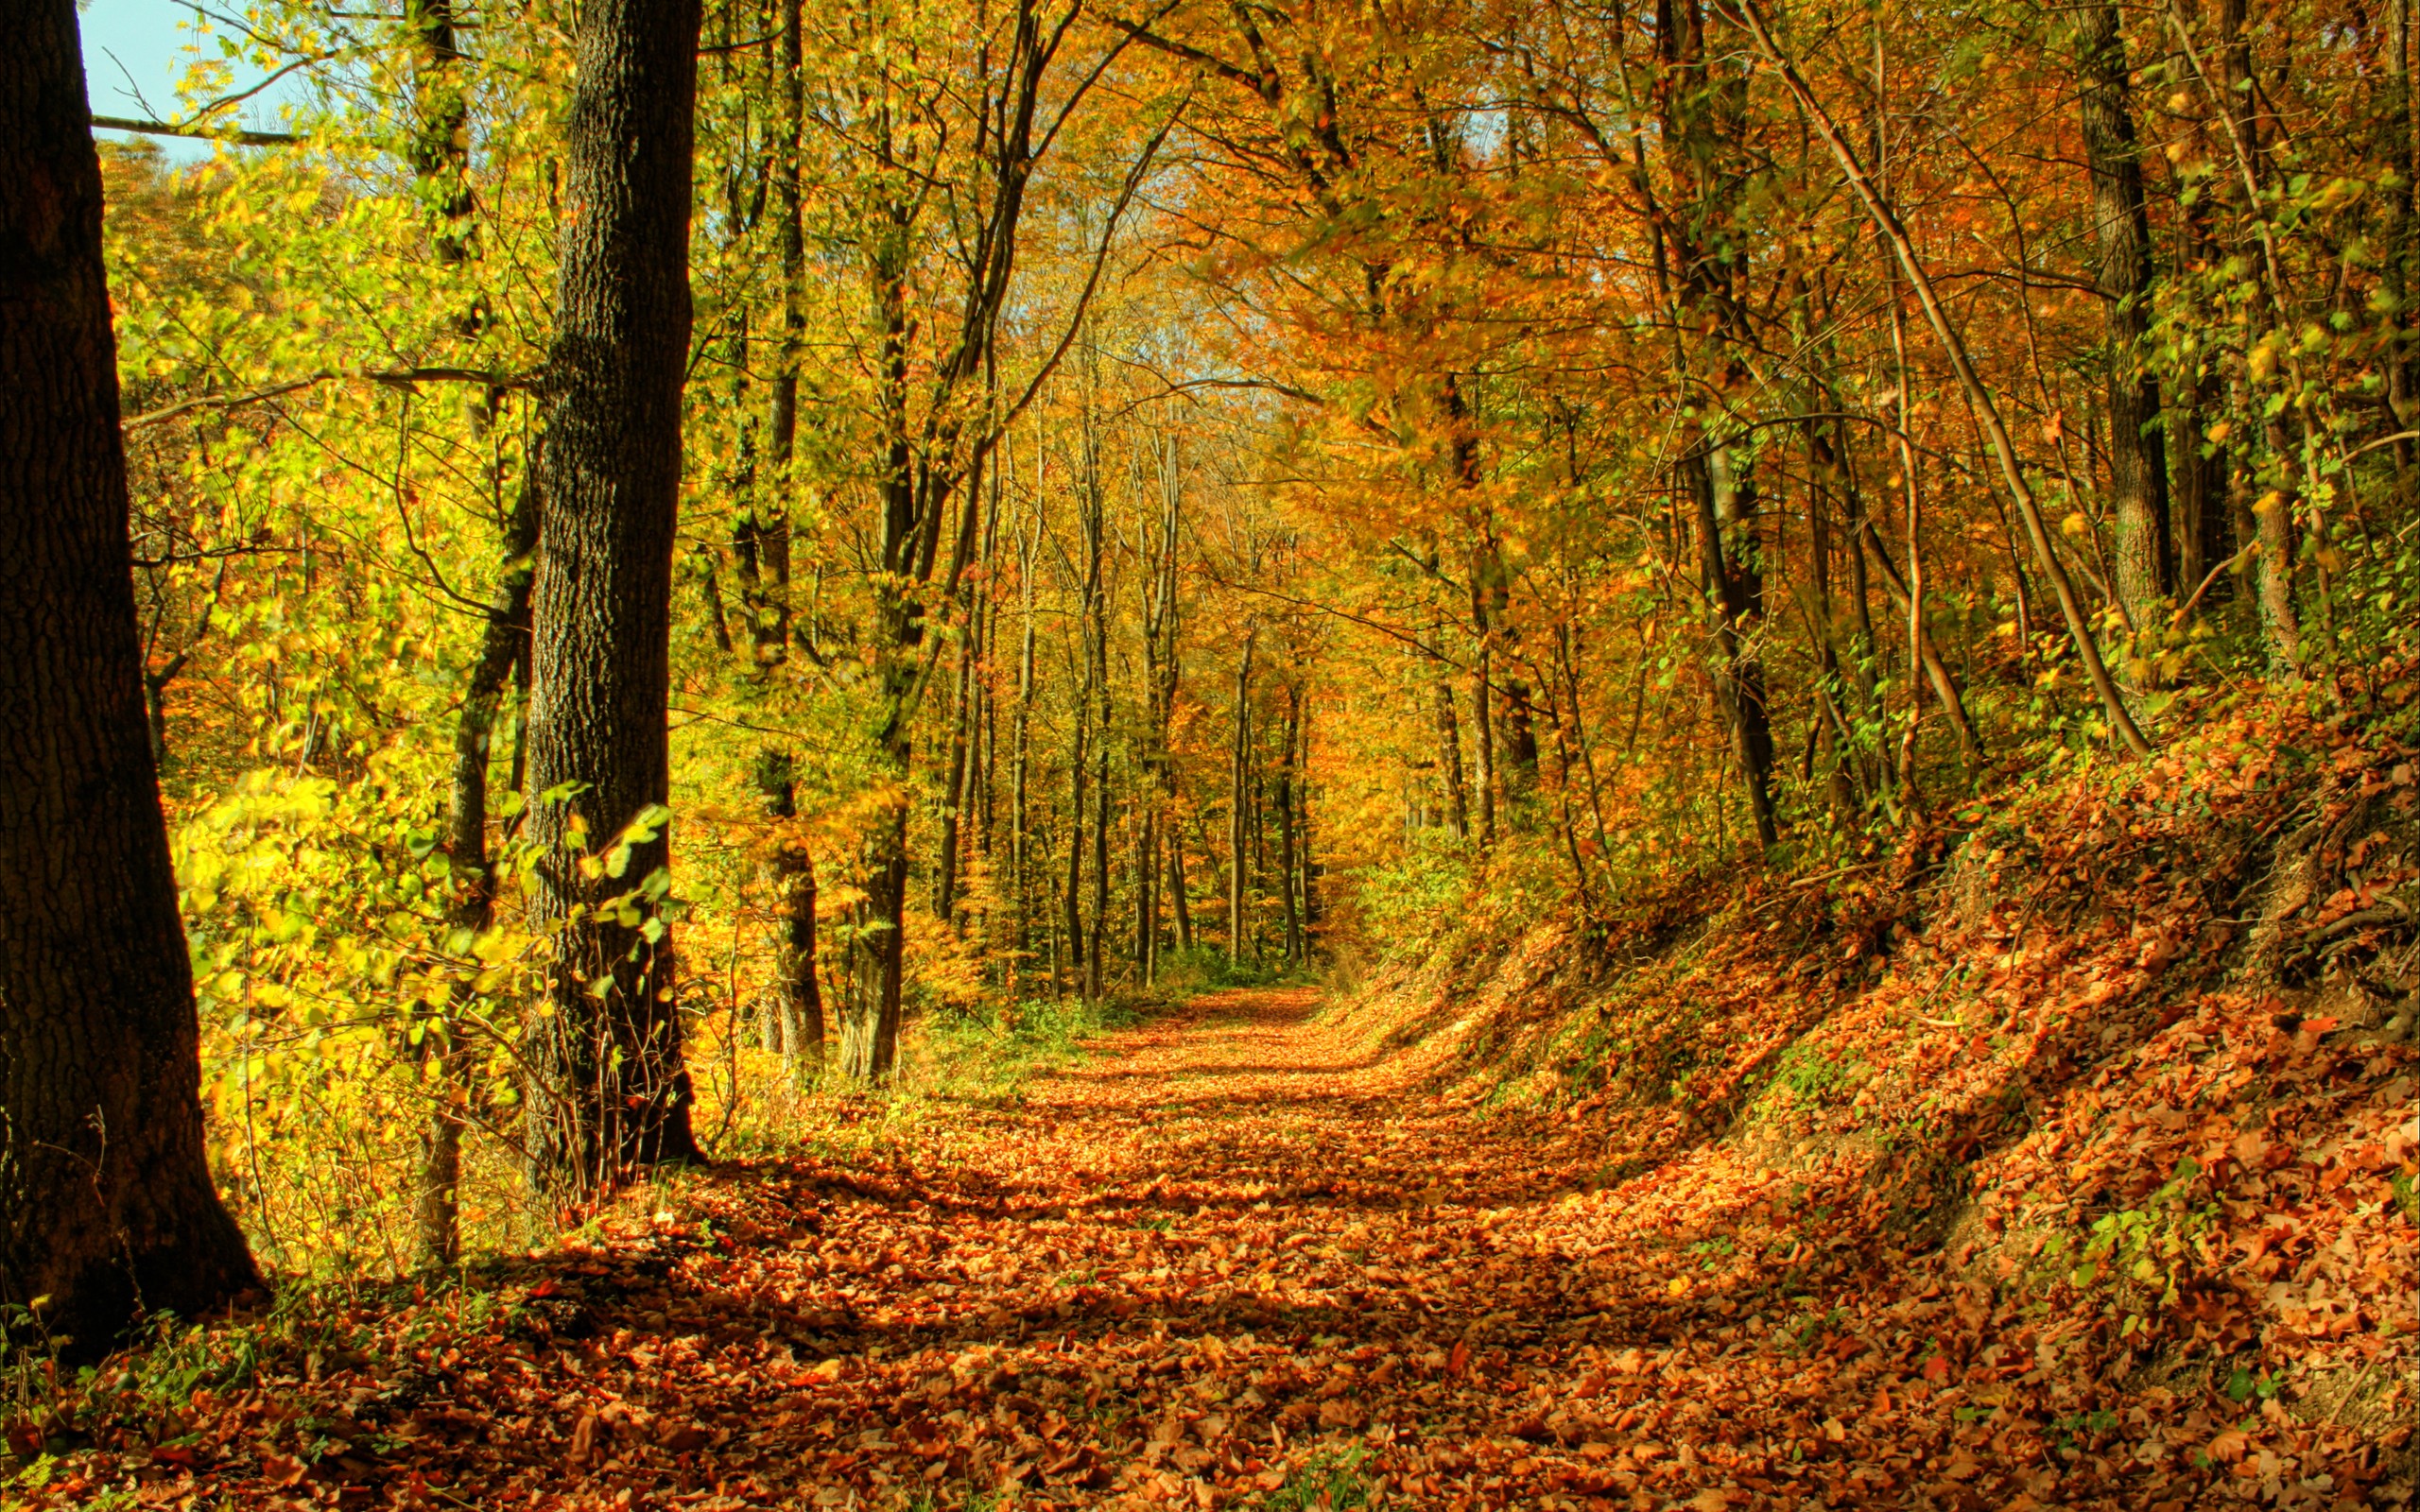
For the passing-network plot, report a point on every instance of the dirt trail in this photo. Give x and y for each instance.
(1232, 1259)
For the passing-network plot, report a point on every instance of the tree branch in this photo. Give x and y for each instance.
(205, 133)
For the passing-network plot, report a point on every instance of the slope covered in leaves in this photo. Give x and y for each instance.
(2095, 1105)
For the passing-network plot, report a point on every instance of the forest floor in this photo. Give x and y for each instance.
(1235, 1257)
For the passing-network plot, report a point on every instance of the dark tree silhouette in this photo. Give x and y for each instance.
(105, 1202)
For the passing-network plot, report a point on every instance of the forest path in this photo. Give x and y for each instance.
(1230, 1259)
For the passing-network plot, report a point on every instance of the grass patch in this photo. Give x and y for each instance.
(1332, 1479)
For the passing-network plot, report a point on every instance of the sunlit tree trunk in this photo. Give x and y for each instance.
(946, 889)
(2137, 452)
(797, 988)
(1239, 809)
(1020, 819)
(105, 1202)
(440, 152)
(2272, 509)
(1449, 758)
(1285, 798)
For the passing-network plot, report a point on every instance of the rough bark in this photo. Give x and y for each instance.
(610, 1090)
(105, 1202)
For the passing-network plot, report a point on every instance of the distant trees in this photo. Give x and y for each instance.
(106, 1201)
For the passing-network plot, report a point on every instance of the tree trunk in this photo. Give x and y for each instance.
(610, 1090)
(1020, 754)
(764, 526)
(797, 993)
(1071, 912)
(1181, 903)
(877, 953)
(1239, 808)
(1985, 408)
(1305, 867)
(105, 1202)
(1700, 110)
(2271, 513)
(2137, 454)
(1449, 757)
(1286, 823)
(1483, 744)
(504, 639)
(2401, 272)
(954, 799)
(1095, 964)
(1146, 893)
(440, 153)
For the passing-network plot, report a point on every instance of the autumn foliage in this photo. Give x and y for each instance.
(1509, 755)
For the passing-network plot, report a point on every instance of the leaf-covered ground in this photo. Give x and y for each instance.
(1236, 1258)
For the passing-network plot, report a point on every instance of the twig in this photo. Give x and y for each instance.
(392, 377)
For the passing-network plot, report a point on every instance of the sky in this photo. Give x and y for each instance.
(138, 46)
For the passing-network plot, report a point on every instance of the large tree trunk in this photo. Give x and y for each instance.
(105, 1202)
(2137, 454)
(610, 1090)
